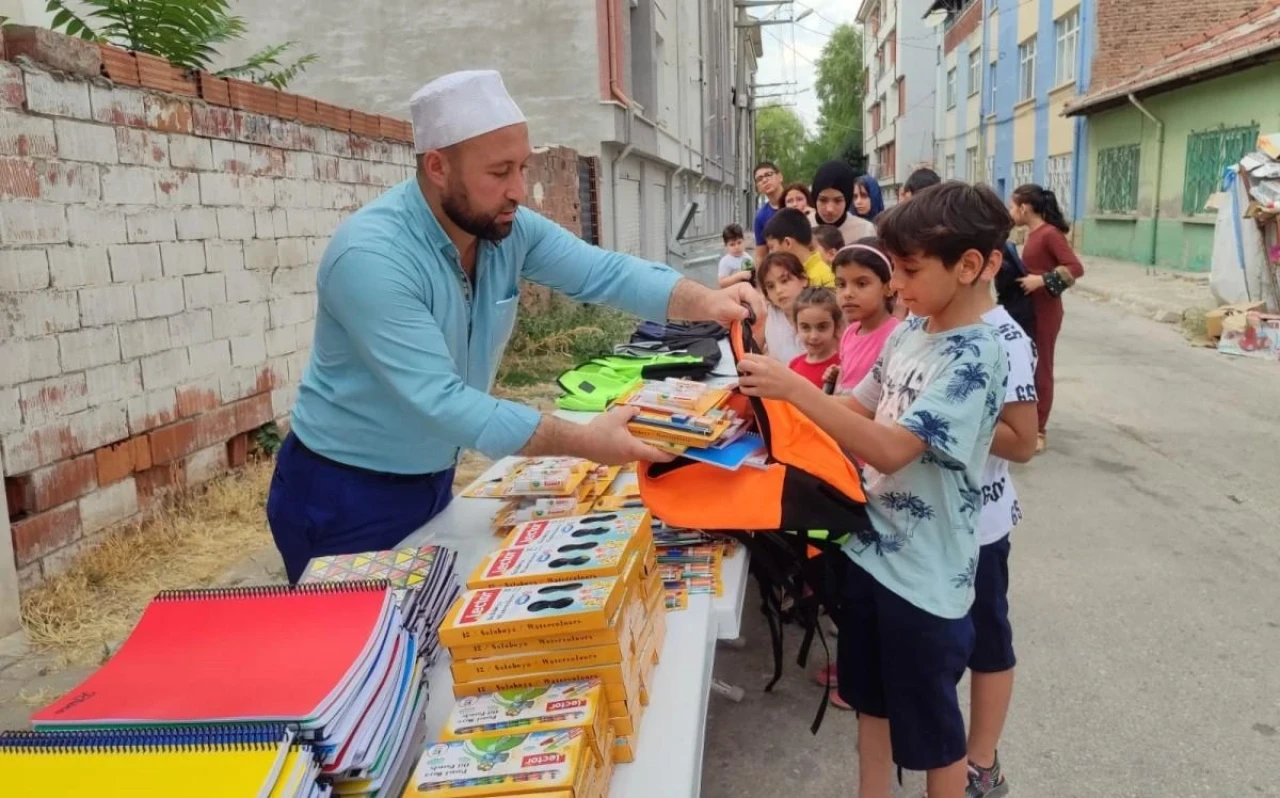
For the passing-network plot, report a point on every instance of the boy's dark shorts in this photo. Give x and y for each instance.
(896, 661)
(993, 635)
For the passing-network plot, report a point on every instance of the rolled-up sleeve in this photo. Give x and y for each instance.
(392, 330)
(558, 259)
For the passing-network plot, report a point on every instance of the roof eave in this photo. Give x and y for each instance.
(1245, 59)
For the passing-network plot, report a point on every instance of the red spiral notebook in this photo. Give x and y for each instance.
(244, 654)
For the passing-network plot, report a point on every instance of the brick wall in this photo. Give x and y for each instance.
(159, 242)
(1133, 34)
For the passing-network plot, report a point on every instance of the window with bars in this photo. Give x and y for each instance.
(1023, 171)
(589, 199)
(1027, 69)
(1059, 180)
(1209, 153)
(1117, 186)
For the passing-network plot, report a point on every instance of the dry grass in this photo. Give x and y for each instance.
(77, 616)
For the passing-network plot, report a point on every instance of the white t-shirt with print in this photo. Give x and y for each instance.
(1000, 509)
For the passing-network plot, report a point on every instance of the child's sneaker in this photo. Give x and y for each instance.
(986, 782)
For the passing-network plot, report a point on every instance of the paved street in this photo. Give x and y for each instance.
(1146, 594)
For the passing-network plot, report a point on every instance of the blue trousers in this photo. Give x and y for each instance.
(317, 506)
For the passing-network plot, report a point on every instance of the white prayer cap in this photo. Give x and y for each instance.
(461, 106)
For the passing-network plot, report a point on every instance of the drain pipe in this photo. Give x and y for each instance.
(1155, 205)
(617, 95)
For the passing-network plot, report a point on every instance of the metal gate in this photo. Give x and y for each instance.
(588, 200)
(627, 235)
(1058, 179)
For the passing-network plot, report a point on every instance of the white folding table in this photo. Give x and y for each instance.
(669, 753)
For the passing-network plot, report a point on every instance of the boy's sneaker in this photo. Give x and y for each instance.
(986, 782)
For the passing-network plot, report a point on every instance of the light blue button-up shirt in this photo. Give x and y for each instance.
(407, 347)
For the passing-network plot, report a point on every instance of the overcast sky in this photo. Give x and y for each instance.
(782, 63)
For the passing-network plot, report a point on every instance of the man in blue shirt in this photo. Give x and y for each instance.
(769, 183)
(418, 293)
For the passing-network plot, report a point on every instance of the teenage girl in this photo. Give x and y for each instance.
(818, 322)
(1052, 268)
(868, 201)
(866, 300)
(781, 276)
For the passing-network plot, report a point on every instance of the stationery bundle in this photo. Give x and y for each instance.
(332, 661)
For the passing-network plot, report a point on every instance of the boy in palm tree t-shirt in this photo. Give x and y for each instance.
(922, 421)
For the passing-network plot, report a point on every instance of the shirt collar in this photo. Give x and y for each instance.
(430, 225)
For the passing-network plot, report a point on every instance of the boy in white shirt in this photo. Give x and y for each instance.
(736, 265)
(992, 661)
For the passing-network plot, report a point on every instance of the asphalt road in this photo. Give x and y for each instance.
(1146, 594)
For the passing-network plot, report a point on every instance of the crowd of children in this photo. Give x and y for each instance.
(937, 389)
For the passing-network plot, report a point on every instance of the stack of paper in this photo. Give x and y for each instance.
(562, 600)
(423, 579)
(264, 760)
(334, 661)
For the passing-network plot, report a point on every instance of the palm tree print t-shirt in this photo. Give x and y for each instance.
(947, 389)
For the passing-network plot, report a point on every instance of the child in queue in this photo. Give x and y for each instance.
(863, 274)
(782, 279)
(922, 421)
(789, 231)
(828, 240)
(818, 323)
(736, 265)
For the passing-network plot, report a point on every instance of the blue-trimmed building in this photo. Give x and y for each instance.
(1006, 69)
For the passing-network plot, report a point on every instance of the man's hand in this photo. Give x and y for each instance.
(1031, 283)
(764, 376)
(607, 441)
(692, 301)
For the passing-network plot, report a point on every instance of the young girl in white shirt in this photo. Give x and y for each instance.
(782, 277)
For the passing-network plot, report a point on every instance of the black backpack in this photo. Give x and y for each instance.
(1009, 292)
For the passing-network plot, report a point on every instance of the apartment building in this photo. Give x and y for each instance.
(1006, 70)
(654, 94)
(898, 52)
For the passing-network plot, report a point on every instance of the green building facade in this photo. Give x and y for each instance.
(1207, 127)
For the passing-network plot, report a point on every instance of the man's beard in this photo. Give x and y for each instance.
(481, 225)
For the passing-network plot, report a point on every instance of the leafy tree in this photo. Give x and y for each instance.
(185, 32)
(840, 86)
(781, 138)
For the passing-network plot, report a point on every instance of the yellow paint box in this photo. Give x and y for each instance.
(616, 683)
(490, 614)
(633, 524)
(555, 762)
(470, 670)
(554, 707)
(556, 561)
(624, 751)
(619, 633)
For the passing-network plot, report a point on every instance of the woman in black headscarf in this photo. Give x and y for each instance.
(833, 197)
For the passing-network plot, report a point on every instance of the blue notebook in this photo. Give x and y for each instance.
(729, 457)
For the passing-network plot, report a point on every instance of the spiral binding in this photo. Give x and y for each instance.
(268, 591)
(226, 737)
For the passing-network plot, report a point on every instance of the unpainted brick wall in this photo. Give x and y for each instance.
(158, 257)
(1133, 34)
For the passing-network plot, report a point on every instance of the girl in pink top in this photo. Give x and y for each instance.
(862, 289)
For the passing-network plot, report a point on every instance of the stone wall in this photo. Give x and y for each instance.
(159, 239)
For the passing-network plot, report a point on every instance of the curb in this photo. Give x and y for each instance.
(1155, 309)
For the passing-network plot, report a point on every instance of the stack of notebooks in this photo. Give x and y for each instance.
(561, 600)
(694, 420)
(552, 741)
(423, 580)
(264, 760)
(333, 661)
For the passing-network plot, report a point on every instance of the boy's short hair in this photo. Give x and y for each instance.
(921, 179)
(945, 222)
(766, 165)
(828, 236)
(732, 232)
(790, 223)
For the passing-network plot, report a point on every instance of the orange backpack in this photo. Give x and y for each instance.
(809, 484)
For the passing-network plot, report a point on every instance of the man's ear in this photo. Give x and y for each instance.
(434, 165)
